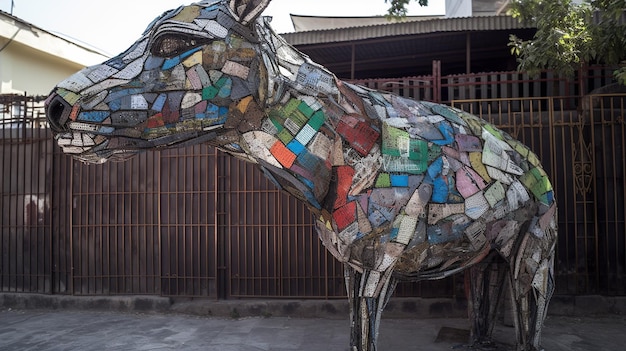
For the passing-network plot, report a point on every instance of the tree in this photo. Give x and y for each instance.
(397, 8)
(568, 33)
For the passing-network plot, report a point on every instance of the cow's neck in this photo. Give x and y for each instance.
(293, 79)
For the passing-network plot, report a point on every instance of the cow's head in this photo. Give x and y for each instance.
(192, 77)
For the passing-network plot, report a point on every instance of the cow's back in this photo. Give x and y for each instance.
(429, 189)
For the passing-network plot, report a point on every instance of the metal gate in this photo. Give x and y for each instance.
(196, 222)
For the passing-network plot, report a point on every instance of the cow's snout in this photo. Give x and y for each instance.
(58, 112)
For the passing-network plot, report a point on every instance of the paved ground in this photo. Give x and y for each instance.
(93, 330)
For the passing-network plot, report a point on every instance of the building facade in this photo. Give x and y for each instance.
(33, 60)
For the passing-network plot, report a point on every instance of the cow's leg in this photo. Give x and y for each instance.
(368, 294)
(484, 282)
(532, 285)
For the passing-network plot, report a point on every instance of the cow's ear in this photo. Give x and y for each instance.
(248, 10)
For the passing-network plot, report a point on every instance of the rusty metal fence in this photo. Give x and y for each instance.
(494, 85)
(195, 222)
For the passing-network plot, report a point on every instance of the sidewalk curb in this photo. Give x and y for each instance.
(332, 309)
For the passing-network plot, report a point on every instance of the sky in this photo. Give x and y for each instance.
(113, 25)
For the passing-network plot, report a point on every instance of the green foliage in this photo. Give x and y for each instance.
(397, 8)
(571, 34)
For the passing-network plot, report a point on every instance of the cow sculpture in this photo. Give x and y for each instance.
(400, 189)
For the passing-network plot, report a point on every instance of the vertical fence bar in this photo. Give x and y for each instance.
(4, 252)
(619, 236)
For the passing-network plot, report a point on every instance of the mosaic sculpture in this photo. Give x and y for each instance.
(400, 189)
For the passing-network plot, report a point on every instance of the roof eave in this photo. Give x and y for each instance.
(482, 23)
(29, 35)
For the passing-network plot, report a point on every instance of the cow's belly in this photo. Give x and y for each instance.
(436, 248)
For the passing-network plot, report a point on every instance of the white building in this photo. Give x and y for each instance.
(33, 60)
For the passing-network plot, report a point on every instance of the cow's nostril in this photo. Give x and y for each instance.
(58, 112)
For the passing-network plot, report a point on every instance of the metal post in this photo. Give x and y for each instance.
(468, 53)
(353, 61)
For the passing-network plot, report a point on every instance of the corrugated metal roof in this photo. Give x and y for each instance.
(465, 24)
(303, 23)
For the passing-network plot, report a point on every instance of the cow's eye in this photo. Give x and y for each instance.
(170, 45)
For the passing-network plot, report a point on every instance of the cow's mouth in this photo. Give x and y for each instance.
(85, 142)
(87, 148)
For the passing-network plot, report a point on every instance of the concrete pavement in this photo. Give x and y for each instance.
(35, 329)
